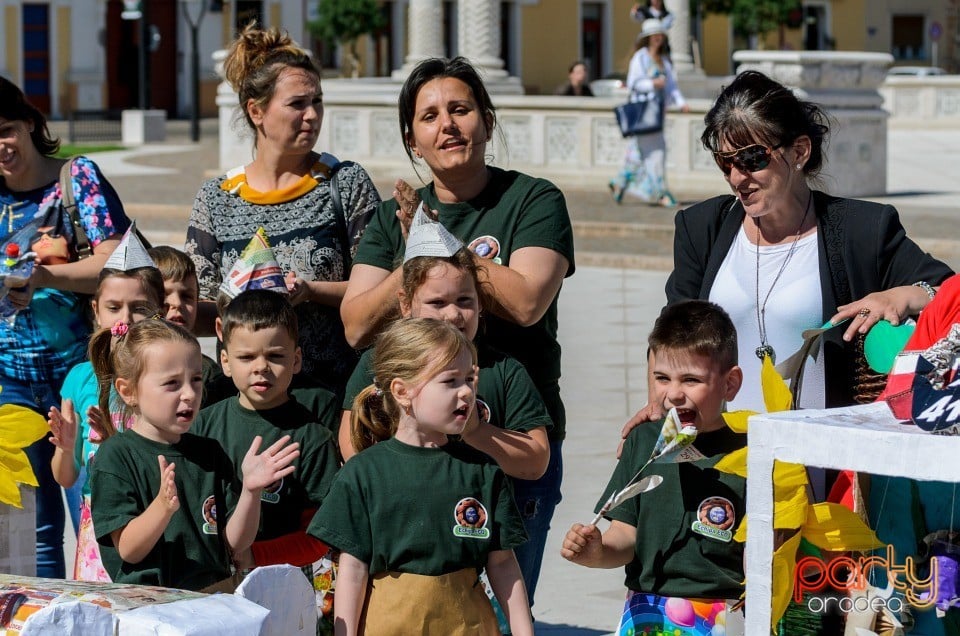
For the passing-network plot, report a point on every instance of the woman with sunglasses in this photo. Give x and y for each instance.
(649, 78)
(781, 257)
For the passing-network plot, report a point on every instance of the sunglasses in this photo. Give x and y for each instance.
(746, 159)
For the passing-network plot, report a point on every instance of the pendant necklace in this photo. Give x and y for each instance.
(765, 349)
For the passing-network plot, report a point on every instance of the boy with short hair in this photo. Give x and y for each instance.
(181, 291)
(676, 540)
(260, 353)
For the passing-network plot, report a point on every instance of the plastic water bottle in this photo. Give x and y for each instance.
(15, 272)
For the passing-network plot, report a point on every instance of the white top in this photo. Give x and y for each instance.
(795, 304)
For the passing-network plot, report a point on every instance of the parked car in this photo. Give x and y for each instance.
(916, 71)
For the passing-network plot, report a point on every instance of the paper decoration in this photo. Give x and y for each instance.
(673, 446)
(130, 253)
(256, 268)
(429, 238)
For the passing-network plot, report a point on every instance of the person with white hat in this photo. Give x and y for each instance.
(649, 78)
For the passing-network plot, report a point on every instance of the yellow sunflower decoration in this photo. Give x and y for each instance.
(828, 526)
(19, 427)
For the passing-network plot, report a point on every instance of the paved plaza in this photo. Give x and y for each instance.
(606, 311)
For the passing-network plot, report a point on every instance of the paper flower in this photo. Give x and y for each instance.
(673, 446)
(19, 427)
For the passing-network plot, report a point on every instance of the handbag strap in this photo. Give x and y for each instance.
(69, 202)
(341, 218)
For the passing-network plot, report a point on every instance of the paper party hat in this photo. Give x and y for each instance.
(429, 238)
(256, 268)
(130, 253)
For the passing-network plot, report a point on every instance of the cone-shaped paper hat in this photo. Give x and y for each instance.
(256, 268)
(429, 238)
(130, 253)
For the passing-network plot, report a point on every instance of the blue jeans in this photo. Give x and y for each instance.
(50, 511)
(537, 500)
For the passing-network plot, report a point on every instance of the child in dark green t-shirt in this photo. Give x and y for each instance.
(166, 507)
(181, 302)
(416, 515)
(676, 541)
(260, 355)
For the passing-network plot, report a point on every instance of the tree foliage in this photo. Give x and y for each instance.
(752, 17)
(343, 21)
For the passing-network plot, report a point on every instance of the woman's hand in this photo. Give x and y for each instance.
(407, 198)
(650, 413)
(893, 305)
(659, 82)
(297, 289)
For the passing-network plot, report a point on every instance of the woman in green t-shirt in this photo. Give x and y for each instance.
(516, 226)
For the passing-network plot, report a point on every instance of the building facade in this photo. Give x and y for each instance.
(82, 55)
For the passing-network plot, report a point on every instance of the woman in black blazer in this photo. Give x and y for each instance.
(781, 257)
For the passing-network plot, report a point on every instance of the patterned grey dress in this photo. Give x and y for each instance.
(306, 238)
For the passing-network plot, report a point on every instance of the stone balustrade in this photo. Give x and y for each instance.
(922, 101)
(575, 141)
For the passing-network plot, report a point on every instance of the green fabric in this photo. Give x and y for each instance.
(518, 211)
(281, 504)
(393, 506)
(323, 404)
(216, 386)
(670, 558)
(124, 481)
(504, 386)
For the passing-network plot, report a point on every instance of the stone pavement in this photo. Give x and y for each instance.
(605, 315)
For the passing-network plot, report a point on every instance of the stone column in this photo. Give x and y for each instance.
(424, 34)
(478, 36)
(478, 33)
(680, 36)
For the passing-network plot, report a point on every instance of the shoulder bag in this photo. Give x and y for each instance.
(69, 203)
(640, 117)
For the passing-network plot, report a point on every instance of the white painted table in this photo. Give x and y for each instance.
(861, 438)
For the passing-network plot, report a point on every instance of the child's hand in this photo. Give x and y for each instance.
(98, 424)
(63, 424)
(582, 544)
(167, 495)
(272, 465)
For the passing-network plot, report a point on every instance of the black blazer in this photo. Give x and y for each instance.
(863, 249)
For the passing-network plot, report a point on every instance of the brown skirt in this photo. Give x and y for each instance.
(449, 605)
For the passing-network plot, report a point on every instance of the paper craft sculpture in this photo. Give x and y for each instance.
(673, 446)
(256, 268)
(19, 427)
(429, 238)
(130, 254)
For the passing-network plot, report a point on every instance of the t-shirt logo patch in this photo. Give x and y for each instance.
(209, 511)
(715, 518)
(471, 518)
(483, 411)
(271, 494)
(486, 247)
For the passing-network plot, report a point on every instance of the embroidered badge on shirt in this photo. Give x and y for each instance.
(715, 518)
(209, 512)
(271, 494)
(486, 247)
(471, 518)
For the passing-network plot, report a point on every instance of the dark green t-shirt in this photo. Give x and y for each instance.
(430, 511)
(506, 396)
(282, 503)
(514, 211)
(216, 386)
(685, 526)
(124, 481)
